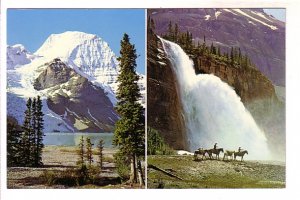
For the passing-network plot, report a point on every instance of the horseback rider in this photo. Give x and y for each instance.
(240, 149)
(215, 146)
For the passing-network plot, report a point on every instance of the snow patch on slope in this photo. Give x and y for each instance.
(217, 14)
(250, 22)
(245, 14)
(207, 17)
(228, 10)
(261, 15)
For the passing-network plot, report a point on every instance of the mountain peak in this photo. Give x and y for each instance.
(64, 43)
(85, 52)
(17, 55)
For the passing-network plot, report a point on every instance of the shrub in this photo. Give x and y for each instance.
(123, 166)
(156, 144)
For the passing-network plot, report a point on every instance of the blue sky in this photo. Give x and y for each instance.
(277, 13)
(31, 27)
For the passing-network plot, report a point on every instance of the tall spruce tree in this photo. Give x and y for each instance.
(89, 151)
(100, 147)
(38, 128)
(14, 148)
(26, 138)
(80, 153)
(129, 133)
(33, 148)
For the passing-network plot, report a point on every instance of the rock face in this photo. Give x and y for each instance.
(260, 36)
(163, 101)
(249, 83)
(56, 73)
(81, 104)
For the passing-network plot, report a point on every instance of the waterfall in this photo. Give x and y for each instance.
(213, 112)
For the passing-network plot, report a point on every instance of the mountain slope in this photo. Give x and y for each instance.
(258, 34)
(76, 76)
(17, 55)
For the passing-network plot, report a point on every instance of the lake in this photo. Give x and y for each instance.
(72, 139)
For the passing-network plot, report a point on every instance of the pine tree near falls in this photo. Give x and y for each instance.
(129, 133)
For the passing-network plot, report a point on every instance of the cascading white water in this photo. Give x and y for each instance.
(213, 112)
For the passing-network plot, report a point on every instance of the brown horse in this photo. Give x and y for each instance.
(200, 152)
(240, 154)
(214, 151)
(228, 153)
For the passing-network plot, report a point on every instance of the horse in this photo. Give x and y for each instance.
(200, 152)
(240, 153)
(228, 153)
(215, 151)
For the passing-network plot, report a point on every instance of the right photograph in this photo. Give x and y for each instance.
(216, 98)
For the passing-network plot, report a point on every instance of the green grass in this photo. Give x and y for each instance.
(199, 174)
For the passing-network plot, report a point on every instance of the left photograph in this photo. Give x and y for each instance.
(76, 98)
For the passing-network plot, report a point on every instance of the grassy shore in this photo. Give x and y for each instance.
(214, 173)
(62, 160)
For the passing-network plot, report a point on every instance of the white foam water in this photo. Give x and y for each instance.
(213, 112)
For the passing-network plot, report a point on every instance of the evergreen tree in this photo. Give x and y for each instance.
(129, 132)
(80, 153)
(100, 151)
(176, 31)
(26, 138)
(170, 31)
(240, 56)
(33, 143)
(231, 56)
(13, 142)
(219, 51)
(89, 152)
(39, 126)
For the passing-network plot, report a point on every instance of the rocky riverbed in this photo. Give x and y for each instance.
(214, 173)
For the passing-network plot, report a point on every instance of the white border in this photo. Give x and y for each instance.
(292, 104)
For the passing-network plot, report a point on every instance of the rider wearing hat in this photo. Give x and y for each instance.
(215, 146)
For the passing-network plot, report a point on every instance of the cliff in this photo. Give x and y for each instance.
(163, 100)
(248, 82)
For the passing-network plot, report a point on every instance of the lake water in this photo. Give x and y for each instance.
(72, 139)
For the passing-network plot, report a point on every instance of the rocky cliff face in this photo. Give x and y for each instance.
(259, 35)
(163, 101)
(76, 100)
(249, 83)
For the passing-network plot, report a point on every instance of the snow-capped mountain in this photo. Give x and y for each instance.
(17, 55)
(86, 53)
(256, 33)
(75, 73)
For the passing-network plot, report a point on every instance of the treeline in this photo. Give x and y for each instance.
(25, 143)
(187, 42)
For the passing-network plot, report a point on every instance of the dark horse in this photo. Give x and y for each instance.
(214, 151)
(200, 152)
(240, 153)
